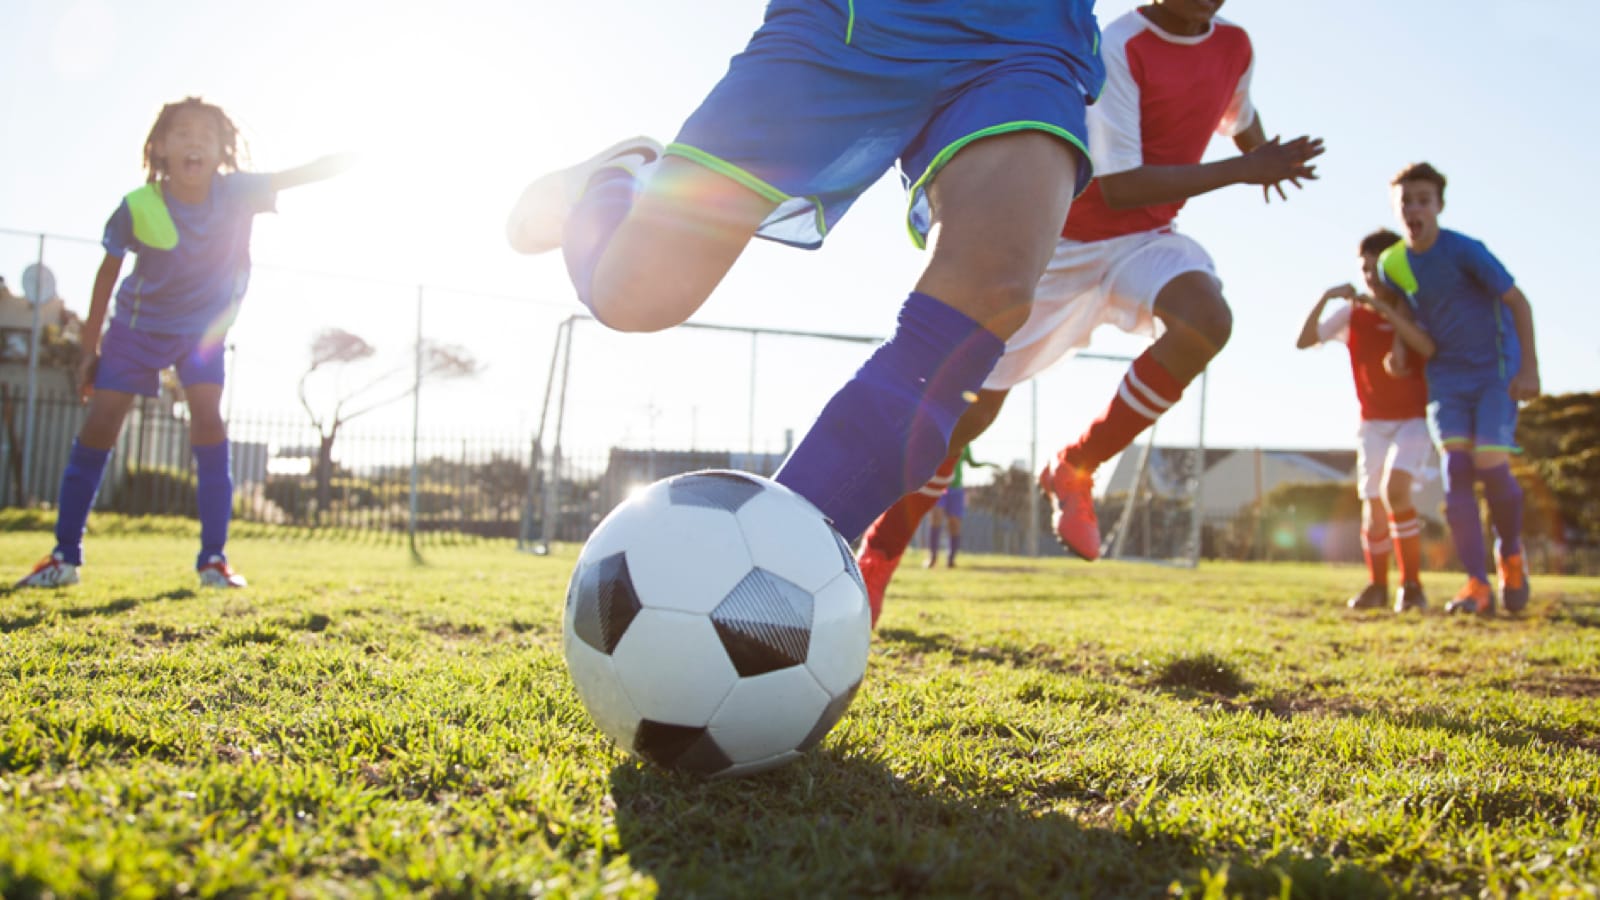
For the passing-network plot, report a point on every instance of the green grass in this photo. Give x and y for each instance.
(356, 725)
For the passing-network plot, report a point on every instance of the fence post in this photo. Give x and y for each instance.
(416, 433)
(34, 303)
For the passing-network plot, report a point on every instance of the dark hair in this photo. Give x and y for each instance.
(1421, 172)
(155, 166)
(1378, 241)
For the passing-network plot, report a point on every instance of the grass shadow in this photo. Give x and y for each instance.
(838, 825)
(9, 624)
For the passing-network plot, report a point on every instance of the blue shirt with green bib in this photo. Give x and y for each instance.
(193, 260)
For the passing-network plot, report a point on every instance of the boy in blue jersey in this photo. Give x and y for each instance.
(1481, 363)
(982, 106)
(189, 228)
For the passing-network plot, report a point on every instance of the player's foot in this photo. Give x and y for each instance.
(1410, 597)
(877, 568)
(1071, 494)
(1373, 596)
(930, 563)
(52, 571)
(218, 574)
(1474, 598)
(540, 216)
(1513, 583)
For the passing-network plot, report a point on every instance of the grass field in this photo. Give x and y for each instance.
(354, 724)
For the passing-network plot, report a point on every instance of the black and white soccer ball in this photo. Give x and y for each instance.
(716, 624)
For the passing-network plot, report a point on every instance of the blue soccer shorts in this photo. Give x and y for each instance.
(810, 122)
(1472, 409)
(954, 502)
(131, 360)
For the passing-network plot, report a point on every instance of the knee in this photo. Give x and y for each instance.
(1397, 494)
(632, 303)
(1194, 309)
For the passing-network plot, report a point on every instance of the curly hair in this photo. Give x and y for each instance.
(232, 144)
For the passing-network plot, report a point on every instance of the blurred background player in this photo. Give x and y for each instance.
(949, 508)
(189, 230)
(1478, 342)
(981, 104)
(1174, 76)
(1394, 431)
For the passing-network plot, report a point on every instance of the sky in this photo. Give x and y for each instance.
(454, 107)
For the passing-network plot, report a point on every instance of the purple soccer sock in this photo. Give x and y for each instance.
(1500, 488)
(955, 547)
(591, 225)
(1461, 511)
(214, 497)
(885, 432)
(934, 534)
(80, 482)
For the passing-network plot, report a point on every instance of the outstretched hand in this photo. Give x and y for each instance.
(1275, 162)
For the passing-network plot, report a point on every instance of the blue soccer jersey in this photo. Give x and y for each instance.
(1455, 289)
(193, 260)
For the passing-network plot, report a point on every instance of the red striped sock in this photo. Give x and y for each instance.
(1375, 547)
(1407, 531)
(1147, 391)
(892, 532)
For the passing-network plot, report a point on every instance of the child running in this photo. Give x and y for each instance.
(1478, 342)
(1175, 75)
(189, 230)
(1393, 435)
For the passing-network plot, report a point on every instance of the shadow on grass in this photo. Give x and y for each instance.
(835, 825)
(10, 624)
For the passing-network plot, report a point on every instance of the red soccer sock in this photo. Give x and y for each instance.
(892, 532)
(1407, 531)
(1375, 547)
(1147, 391)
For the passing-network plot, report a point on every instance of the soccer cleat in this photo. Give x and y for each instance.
(1474, 598)
(537, 221)
(52, 571)
(1513, 583)
(1071, 493)
(877, 568)
(1373, 596)
(218, 574)
(1410, 597)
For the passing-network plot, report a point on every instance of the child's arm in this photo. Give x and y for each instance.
(1525, 384)
(318, 170)
(1311, 331)
(1409, 335)
(1263, 162)
(89, 334)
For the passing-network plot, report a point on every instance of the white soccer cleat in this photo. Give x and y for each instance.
(537, 221)
(218, 574)
(52, 571)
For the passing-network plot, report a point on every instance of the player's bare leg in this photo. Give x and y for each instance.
(1405, 531)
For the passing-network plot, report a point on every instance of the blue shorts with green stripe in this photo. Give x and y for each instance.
(1473, 409)
(811, 121)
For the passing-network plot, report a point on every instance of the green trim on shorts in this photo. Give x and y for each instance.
(1498, 448)
(949, 151)
(730, 171)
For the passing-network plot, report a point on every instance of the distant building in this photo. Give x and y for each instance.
(1233, 478)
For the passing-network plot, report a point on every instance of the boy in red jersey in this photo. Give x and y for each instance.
(1394, 428)
(1175, 76)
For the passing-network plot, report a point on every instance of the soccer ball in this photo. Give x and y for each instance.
(716, 624)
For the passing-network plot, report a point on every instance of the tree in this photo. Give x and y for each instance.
(335, 350)
(1560, 466)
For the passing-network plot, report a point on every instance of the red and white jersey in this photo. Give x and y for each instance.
(1370, 337)
(1165, 95)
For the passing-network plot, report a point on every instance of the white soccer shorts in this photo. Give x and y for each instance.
(1089, 284)
(1398, 444)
